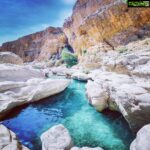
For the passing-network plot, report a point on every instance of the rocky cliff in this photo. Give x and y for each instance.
(109, 21)
(93, 21)
(40, 45)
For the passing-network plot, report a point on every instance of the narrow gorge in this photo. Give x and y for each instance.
(83, 86)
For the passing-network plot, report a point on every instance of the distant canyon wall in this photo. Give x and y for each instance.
(92, 22)
(41, 45)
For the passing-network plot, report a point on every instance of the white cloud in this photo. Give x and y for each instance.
(68, 2)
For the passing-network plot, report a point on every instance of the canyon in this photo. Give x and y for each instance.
(112, 44)
(92, 22)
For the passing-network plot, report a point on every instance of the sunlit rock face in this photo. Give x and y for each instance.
(109, 21)
(40, 45)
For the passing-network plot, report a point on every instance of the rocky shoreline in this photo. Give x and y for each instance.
(112, 45)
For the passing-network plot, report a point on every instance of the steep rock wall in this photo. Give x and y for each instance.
(109, 21)
(40, 45)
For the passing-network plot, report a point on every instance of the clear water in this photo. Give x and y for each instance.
(87, 127)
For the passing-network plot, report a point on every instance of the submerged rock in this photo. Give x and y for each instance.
(8, 57)
(142, 140)
(20, 85)
(9, 141)
(56, 138)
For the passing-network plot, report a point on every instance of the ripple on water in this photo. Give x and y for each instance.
(87, 127)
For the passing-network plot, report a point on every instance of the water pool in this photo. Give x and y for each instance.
(87, 127)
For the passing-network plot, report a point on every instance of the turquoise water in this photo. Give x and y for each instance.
(87, 127)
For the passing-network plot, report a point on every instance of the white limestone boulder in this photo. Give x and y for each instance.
(121, 93)
(56, 138)
(9, 141)
(142, 140)
(9, 57)
(23, 84)
(80, 76)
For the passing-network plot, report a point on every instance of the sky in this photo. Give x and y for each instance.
(23, 17)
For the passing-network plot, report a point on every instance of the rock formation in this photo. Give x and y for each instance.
(56, 138)
(142, 139)
(8, 57)
(20, 85)
(122, 83)
(9, 141)
(108, 21)
(41, 45)
(92, 22)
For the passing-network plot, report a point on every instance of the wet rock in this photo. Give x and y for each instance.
(56, 138)
(9, 141)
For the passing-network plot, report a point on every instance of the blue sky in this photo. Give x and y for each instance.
(22, 17)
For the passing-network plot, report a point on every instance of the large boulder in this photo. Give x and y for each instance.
(20, 85)
(80, 76)
(120, 93)
(98, 97)
(9, 141)
(9, 72)
(8, 57)
(142, 139)
(56, 138)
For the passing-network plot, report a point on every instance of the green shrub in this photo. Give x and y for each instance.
(69, 58)
(122, 50)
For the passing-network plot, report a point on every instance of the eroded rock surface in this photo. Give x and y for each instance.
(8, 57)
(20, 85)
(56, 138)
(9, 141)
(142, 139)
(108, 21)
(123, 84)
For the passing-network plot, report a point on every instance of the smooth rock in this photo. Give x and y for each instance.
(142, 139)
(80, 76)
(9, 57)
(121, 93)
(9, 72)
(23, 84)
(98, 97)
(56, 138)
(9, 141)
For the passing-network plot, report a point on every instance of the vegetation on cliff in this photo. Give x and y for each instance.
(69, 58)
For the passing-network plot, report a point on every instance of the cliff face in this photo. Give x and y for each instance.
(109, 21)
(40, 45)
(92, 22)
